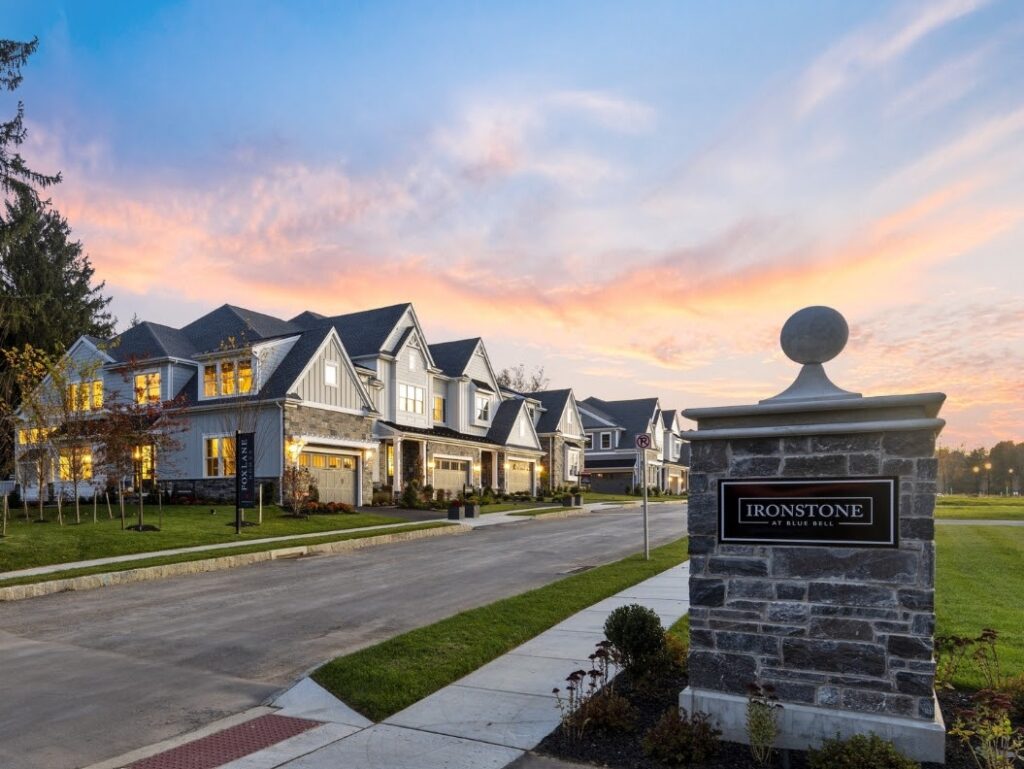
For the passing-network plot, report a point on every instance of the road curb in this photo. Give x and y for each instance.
(150, 573)
(553, 515)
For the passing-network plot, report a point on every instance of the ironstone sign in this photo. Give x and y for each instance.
(857, 512)
(245, 469)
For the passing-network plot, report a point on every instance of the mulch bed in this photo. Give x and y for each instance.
(618, 749)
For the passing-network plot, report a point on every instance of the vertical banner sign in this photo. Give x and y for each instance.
(245, 470)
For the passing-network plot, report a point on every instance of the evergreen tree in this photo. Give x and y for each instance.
(15, 176)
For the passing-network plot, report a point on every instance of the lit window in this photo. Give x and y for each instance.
(244, 377)
(410, 399)
(210, 380)
(75, 461)
(86, 396)
(147, 387)
(439, 409)
(573, 463)
(220, 456)
(331, 375)
(483, 408)
(227, 377)
(144, 464)
(606, 440)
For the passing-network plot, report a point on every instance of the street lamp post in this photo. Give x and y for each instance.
(977, 480)
(988, 478)
(1009, 481)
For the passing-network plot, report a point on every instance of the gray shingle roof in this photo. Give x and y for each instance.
(589, 423)
(668, 418)
(633, 415)
(150, 340)
(554, 403)
(438, 432)
(211, 331)
(503, 422)
(453, 357)
(307, 318)
(362, 333)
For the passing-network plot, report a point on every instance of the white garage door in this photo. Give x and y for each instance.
(451, 474)
(520, 476)
(333, 474)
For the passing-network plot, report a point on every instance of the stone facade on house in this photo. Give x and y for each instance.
(312, 423)
(837, 627)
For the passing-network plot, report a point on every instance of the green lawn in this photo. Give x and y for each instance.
(38, 544)
(551, 509)
(597, 496)
(990, 508)
(381, 680)
(185, 557)
(504, 507)
(980, 583)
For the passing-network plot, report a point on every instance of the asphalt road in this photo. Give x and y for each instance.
(91, 675)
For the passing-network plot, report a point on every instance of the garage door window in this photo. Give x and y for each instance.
(450, 464)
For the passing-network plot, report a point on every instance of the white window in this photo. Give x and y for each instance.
(412, 360)
(483, 408)
(331, 374)
(220, 456)
(606, 440)
(569, 418)
(572, 464)
(522, 429)
(410, 399)
(588, 440)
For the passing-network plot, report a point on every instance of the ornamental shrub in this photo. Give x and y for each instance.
(681, 740)
(637, 635)
(859, 752)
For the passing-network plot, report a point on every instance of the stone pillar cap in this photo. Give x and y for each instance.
(813, 336)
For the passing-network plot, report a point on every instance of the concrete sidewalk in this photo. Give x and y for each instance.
(486, 720)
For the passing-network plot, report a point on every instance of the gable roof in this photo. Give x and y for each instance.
(294, 362)
(504, 420)
(453, 357)
(362, 333)
(592, 417)
(212, 330)
(668, 418)
(632, 415)
(150, 340)
(554, 403)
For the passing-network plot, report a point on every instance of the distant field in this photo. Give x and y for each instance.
(980, 508)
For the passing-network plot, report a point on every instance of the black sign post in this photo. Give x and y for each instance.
(245, 475)
(850, 512)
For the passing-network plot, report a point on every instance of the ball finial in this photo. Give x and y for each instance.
(814, 335)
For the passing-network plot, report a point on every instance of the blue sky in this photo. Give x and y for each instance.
(634, 195)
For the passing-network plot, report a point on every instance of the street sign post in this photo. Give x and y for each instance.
(245, 475)
(643, 442)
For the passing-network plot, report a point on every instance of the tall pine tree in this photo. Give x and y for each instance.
(47, 297)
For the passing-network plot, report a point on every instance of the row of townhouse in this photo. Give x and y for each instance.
(361, 399)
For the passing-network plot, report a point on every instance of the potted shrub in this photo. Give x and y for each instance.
(472, 507)
(456, 510)
(567, 500)
(577, 496)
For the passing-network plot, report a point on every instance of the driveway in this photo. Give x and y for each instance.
(87, 676)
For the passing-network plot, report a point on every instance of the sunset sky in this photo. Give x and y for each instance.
(633, 195)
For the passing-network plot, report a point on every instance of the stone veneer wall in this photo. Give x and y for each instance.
(312, 422)
(836, 627)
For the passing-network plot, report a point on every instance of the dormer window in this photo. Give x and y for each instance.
(86, 396)
(147, 387)
(606, 440)
(227, 378)
(331, 374)
(483, 408)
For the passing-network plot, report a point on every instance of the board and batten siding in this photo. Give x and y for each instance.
(414, 375)
(187, 462)
(575, 429)
(312, 387)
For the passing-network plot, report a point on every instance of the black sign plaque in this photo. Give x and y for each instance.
(245, 469)
(851, 512)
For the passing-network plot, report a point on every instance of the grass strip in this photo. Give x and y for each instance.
(203, 555)
(549, 511)
(383, 679)
(979, 583)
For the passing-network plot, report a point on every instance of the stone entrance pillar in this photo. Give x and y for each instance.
(812, 556)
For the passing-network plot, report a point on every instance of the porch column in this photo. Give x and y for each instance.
(397, 487)
(423, 460)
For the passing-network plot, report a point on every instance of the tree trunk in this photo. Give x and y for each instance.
(78, 505)
(141, 513)
(110, 512)
(4, 533)
(60, 508)
(120, 500)
(94, 500)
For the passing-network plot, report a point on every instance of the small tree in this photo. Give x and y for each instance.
(295, 483)
(135, 435)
